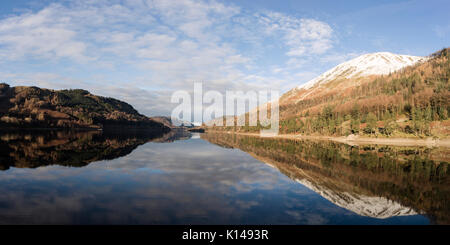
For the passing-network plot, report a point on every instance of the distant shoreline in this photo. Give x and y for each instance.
(356, 140)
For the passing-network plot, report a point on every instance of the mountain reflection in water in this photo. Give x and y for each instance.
(73, 148)
(374, 181)
(132, 177)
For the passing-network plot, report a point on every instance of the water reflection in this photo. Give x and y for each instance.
(73, 148)
(374, 181)
(177, 178)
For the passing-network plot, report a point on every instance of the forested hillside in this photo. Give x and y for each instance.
(413, 101)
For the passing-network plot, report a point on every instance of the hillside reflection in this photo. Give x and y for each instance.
(34, 149)
(374, 181)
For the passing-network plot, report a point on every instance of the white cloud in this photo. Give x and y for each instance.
(167, 45)
(302, 36)
(39, 35)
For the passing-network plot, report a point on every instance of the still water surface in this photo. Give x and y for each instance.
(133, 178)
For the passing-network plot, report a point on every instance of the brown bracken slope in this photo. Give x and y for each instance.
(33, 107)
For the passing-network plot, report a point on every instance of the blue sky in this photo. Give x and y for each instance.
(141, 51)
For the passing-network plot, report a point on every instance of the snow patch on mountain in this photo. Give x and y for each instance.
(381, 63)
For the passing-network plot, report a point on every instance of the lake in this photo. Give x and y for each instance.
(60, 177)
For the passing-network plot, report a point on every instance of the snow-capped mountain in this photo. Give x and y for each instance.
(369, 64)
(346, 74)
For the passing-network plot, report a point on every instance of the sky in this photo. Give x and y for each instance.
(141, 51)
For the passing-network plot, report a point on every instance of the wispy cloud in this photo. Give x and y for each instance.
(159, 46)
(301, 36)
